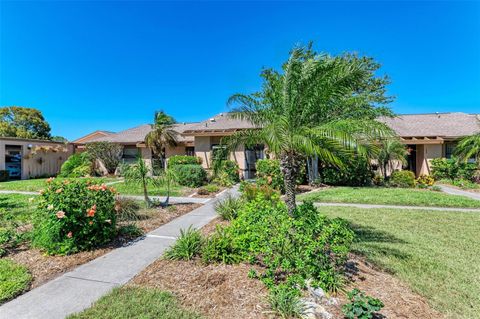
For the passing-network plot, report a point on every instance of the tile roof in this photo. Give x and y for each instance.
(451, 125)
(219, 123)
(137, 134)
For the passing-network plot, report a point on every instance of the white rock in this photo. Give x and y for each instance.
(332, 301)
(317, 293)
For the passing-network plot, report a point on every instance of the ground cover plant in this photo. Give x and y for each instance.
(136, 303)
(14, 279)
(74, 216)
(361, 306)
(428, 250)
(390, 196)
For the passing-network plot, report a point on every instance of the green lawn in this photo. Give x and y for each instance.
(436, 253)
(14, 279)
(34, 185)
(136, 303)
(136, 189)
(390, 196)
(19, 205)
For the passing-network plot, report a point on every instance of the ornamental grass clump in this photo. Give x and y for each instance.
(73, 216)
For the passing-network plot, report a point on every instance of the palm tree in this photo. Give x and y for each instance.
(316, 108)
(469, 147)
(391, 150)
(162, 135)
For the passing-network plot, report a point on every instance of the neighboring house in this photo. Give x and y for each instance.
(430, 136)
(427, 136)
(30, 158)
(92, 136)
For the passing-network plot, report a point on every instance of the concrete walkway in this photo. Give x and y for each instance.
(456, 191)
(78, 289)
(370, 206)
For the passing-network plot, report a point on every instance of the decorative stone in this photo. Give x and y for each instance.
(331, 301)
(317, 293)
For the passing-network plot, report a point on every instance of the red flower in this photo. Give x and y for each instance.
(69, 235)
(91, 211)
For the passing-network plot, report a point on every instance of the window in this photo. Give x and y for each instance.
(219, 152)
(449, 148)
(130, 154)
(190, 151)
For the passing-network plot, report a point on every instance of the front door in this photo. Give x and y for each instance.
(252, 154)
(412, 158)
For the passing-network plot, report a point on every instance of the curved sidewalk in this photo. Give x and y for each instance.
(78, 289)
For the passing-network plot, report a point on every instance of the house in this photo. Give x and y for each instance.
(427, 136)
(92, 136)
(30, 158)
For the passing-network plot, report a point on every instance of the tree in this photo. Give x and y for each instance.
(162, 135)
(467, 148)
(110, 154)
(319, 106)
(391, 150)
(23, 122)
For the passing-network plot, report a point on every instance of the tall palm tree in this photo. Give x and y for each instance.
(162, 135)
(391, 149)
(469, 147)
(316, 107)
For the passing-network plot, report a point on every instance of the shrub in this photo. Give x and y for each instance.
(208, 189)
(443, 168)
(77, 165)
(3, 175)
(285, 301)
(74, 215)
(14, 279)
(361, 306)
(402, 179)
(110, 154)
(190, 175)
(227, 173)
(183, 160)
(269, 173)
(130, 231)
(187, 246)
(356, 172)
(220, 248)
(228, 208)
(378, 180)
(126, 208)
(425, 180)
(250, 191)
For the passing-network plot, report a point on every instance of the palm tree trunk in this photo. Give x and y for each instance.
(287, 164)
(148, 202)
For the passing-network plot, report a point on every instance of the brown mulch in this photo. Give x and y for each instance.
(212, 226)
(217, 291)
(399, 300)
(44, 267)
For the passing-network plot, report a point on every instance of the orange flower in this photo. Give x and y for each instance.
(58, 191)
(69, 235)
(103, 187)
(91, 211)
(50, 179)
(60, 214)
(90, 223)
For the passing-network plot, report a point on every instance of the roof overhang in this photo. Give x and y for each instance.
(422, 140)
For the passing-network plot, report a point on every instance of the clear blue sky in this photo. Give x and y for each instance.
(109, 65)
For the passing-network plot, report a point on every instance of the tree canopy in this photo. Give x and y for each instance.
(23, 122)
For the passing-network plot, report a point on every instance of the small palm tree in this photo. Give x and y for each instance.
(162, 135)
(307, 111)
(391, 150)
(469, 147)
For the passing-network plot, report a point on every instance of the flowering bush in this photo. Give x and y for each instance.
(74, 215)
(425, 180)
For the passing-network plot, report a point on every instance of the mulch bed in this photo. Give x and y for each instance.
(44, 268)
(210, 195)
(225, 291)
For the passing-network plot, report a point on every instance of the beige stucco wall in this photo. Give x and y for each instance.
(39, 158)
(172, 151)
(203, 149)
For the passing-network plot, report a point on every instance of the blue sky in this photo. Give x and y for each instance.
(109, 65)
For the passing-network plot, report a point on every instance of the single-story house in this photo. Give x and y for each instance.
(30, 158)
(427, 136)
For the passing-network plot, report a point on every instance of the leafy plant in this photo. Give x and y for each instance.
(74, 215)
(130, 231)
(14, 279)
(187, 246)
(227, 173)
(402, 179)
(126, 208)
(110, 154)
(391, 151)
(425, 180)
(139, 173)
(229, 207)
(285, 301)
(269, 173)
(190, 175)
(220, 248)
(356, 171)
(452, 169)
(77, 165)
(184, 160)
(208, 189)
(361, 306)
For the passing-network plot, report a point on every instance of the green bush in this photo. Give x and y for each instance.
(77, 165)
(361, 306)
(229, 207)
(208, 189)
(269, 173)
(14, 279)
(3, 175)
(221, 248)
(285, 301)
(402, 179)
(190, 175)
(356, 172)
(425, 180)
(443, 168)
(187, 246)
(74, 215)
(227, 173)
(183, 160)
(250, 191)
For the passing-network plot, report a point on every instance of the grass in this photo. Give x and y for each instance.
(390, 196)
(436, 253)
(136, 303)
(14, 279)
(18, 205)
(136, 189)
(35, 185)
